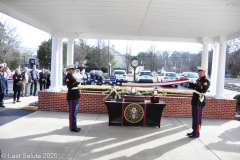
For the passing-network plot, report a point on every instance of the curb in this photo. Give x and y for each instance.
(30, 108)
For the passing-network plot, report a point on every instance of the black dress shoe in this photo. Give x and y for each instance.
(189, 134)
(4, 106)
(193, 136)
(74, 130)
(79, 129)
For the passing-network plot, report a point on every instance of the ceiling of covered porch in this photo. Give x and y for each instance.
(163, 20)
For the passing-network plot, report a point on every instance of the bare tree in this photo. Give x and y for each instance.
(9, 45)
(81, 49)
(233, 57)
(127, 58)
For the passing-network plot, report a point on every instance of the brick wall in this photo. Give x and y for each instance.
(92, 102)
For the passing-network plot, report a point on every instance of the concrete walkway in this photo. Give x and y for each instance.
(46, 135)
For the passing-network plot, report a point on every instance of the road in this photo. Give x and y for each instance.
(233, 81)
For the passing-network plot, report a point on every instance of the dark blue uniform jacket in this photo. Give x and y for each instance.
(202, 85)
(71, 82)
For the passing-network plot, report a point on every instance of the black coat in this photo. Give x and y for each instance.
(41, 77)
(71, 82)
(201, 86)
(48, 79)
(16, 78)
(99, 80)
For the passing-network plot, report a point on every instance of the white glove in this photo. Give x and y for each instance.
(192, 81)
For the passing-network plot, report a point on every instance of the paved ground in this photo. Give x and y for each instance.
(45, 135)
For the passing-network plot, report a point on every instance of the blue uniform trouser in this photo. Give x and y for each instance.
(73, 109)
(197, 119)
(2, 96)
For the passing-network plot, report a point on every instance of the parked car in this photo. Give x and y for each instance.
(167, 77)
(10, 76)
(144, 76)
(227, 75)
(193, 76)
(121, 75)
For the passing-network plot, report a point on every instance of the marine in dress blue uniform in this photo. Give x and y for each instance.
(72, 98)
(3, 87)
(201, 86)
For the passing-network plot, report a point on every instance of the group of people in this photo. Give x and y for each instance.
(96, 78)
(21, 81)
(79, 76)
(82, 77)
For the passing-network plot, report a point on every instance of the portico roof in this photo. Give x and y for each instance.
(163, 20)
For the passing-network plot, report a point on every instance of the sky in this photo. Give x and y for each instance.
(32, 37)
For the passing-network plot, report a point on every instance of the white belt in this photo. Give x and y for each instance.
(201, 95)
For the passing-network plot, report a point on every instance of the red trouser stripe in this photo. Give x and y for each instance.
(122, 120)
(145, 113)
(70, 115)
(198, 120)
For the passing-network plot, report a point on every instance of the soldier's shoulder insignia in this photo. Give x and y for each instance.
(205, 84)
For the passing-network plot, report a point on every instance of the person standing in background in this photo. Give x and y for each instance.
(26, 81)
(48, 77)
(3, 87)
(99, 79)
(84, 77)
(42, 79)
(64, 73)
(34, 76)
(6, 70)
(17, 85)
(77, 75)
(93, 78)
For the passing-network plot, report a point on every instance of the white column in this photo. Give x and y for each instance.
(214, 69)
(204, 62)
(221, 71)
(54, 66)
(60, 61)
(70, 51)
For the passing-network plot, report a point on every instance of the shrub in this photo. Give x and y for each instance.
(237, 97)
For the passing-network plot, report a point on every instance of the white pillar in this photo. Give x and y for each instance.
(214, 69)
(60, 61)
(70, 51)
(204, 62)
(221, 70)
(54, 66)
